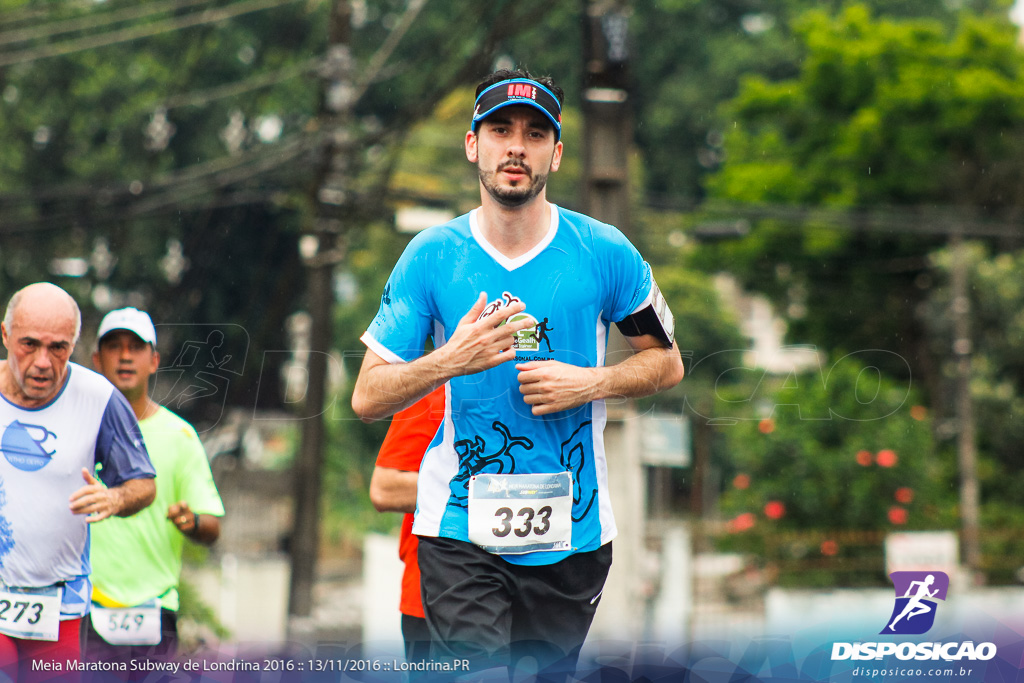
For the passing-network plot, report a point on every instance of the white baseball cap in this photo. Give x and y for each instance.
(131, 319)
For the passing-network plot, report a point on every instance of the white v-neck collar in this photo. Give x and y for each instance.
(504, 261)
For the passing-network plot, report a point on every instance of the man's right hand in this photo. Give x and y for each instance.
(478, 345)
(383, 388)
(98, 502)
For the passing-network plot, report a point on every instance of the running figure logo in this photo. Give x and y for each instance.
(528, 339)
(210, 357)
(916, 593)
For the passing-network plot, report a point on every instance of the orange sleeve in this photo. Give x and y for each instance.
(411, 432)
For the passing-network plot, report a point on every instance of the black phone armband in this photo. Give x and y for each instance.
(654, 319)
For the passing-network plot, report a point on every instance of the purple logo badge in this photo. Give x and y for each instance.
(916, 595)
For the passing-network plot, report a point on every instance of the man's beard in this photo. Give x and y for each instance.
(511, 197)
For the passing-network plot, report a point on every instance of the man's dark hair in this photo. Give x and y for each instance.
(506, 74)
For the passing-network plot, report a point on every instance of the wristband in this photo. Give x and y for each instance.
(195, 526)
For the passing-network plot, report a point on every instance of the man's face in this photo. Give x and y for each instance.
(127, 361)
(514, 150)
(39, 344)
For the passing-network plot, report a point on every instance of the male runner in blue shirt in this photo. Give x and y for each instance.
(513, 509)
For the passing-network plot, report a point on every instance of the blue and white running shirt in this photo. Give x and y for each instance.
(583, 276)
(44, 450)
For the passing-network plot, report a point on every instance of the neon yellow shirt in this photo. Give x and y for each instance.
(138, 558)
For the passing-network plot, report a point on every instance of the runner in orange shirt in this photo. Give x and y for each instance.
(393, 489)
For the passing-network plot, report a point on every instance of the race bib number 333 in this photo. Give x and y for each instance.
(521, 513)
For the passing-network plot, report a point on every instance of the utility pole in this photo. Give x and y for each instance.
(322, 249)
(607, 138)
(607, 130)
(960, 306)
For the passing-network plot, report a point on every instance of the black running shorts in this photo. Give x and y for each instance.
(481, 608)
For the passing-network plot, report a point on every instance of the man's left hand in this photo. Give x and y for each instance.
(181, 515)
(551, 386)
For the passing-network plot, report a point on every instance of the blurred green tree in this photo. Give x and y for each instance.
(681, 82)
(891, 135)
(885, 117)
(161, 154)
(842, 452)
(833, 448)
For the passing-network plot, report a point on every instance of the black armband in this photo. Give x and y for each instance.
(654, 319)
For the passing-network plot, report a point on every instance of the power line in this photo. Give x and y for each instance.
(230, 168)
(193, 173)
(198, 98)
(200, 172)
(205, 180)
(208, 16)
(122, 201)
(181, 203)
(287, 152)
(22, 14)
(934, 220)
(175, 187)
(53, 28)
(388, 47)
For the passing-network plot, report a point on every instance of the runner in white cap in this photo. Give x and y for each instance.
(137, 561)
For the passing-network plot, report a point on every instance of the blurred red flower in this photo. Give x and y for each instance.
(886, 458)
(741, 523)
(773, 509)
(897, 515)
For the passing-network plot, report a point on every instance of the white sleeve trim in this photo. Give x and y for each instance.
(380, 349)
(646, 302)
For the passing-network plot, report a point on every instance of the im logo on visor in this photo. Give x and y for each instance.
(518, 91)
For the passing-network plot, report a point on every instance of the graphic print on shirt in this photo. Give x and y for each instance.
(25, 446)
(472, 460)
(528, 339)
(6, 533)
(574, 459)
(385, 303)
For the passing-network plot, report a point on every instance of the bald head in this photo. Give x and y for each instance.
(47, 299)
(40, 330)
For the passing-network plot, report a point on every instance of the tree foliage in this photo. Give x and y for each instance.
(833, 448)
(162, 154)
(680, 83)
(831, 461)
(888, 118)
(892, 135)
